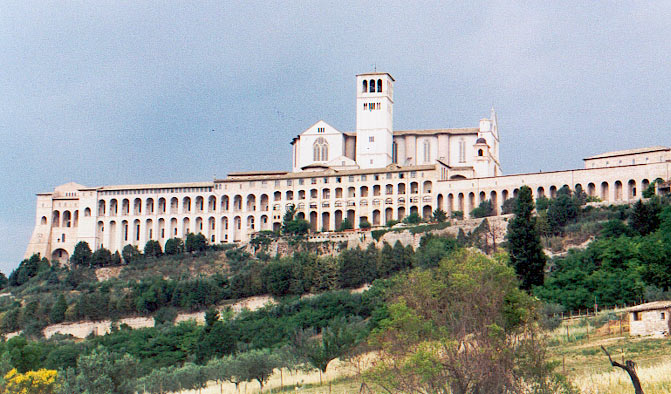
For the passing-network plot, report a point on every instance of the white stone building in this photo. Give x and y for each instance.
(374, 173)
(652, 318)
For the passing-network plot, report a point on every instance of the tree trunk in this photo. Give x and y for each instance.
(630, 367)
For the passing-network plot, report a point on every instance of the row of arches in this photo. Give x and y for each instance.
(368, 86)
(250, 203)
(617, 191)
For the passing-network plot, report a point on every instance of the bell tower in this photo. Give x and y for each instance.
(374, 114)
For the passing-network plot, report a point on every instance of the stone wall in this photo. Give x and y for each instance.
(650, 322)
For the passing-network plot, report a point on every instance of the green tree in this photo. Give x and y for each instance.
(101, 258)
(279, 276)
(485, 209)
(364, 224)
(345, 225)
(57, 314)
(195, 243)
(432, 249)
(509, 205)
(292, 225)
(413, 218)
(256, 365)
(174, 246)
(130, 254)
(644, 217)
(3, 281)
(562, 210)
(102, 372)
(152, 249)
(439, 215)
(524, 245)
(81, 257)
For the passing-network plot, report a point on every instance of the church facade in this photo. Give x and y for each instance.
(374, 174)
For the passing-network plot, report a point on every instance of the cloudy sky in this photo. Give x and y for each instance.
(116, 92)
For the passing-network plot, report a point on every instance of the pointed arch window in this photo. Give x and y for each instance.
(320, 150)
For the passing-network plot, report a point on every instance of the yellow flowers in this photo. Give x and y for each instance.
(44, 381)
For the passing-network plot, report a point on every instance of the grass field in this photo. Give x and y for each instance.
(578, 356)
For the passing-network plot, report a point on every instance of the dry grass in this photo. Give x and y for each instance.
(655, 379)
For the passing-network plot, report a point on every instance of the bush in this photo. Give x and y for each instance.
(413, 218)
(364, 224)
(130, 253)
(152, 249)
(174, 246)
(377, 234)
(485, 209)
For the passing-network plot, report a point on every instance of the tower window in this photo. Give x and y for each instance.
(462, 151)
(365, 106)
(427, 152)
(371, 139)
(371, 84)
(480, 153)
(379, 86)
(320, 129)
(365, 86)
(394, 152)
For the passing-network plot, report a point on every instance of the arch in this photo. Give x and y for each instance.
(645, 184)
(376, 217)
(186, 204)
(149, 229)
(290, 195)
(100, 230)
(326, 221)
(101, 207)
(224, 203)
(440, 201)
(237, 203)
(250, 222)
(426, 212)
(87, 211)
(149, 206)
(414, 187)
(136, 230)
(450, 203)
(337, 215)
(264, 223)
(75, 221)
(371, 87)
(482, 196)
(237, 226)
(457, 177)
(376, 190)
(363, 191)
(618, 190)
(200, 204)
(591, 189)
(414, 210)
(504, 194)
(211, 228)
(277, 196)
(313, 221)
(471, 202)
(112, 234)
(364, 86)
(480, 152)
(174, 205)
(388, 215)
(516, 191)
(224, 226)
(199, 225)
(60, 256)
(212, 204)
(301, 194)
(264, 202)
(56, 219)
(114, 207)
(351, 216)
(604, 191)
(161, 229)
(43, 221)
(186, 227)
(161, 206)
(351, 192)
(173, 227)
(320, 150)
(379, 86)
(460, 202)
(389, 189)
(326, 193)
(67, 219)
(137, 206)
(313, 194)
(125, 207)
(540, 192)
(401, 213)
(277, 226)
(553, 191)
(427, 151)
(400, 188)
(124, 230)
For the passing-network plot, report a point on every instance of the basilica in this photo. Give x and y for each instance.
(371, 175)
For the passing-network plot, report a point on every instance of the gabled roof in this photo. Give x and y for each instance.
(649, 306)
(629, 152)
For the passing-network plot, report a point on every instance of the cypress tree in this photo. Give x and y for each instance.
(57, 314)
(524, 244)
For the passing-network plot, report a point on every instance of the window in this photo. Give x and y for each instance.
(351, 178)
(637, 316)
(371, 139)
(480, 153)
(394, 152)
(462, 151)
(300, 181)
(363, 177)
(320, 130)
(379, 86)
(427, 152)
(365, 106)
(663, 316)
(320, 150)
(371, 85)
